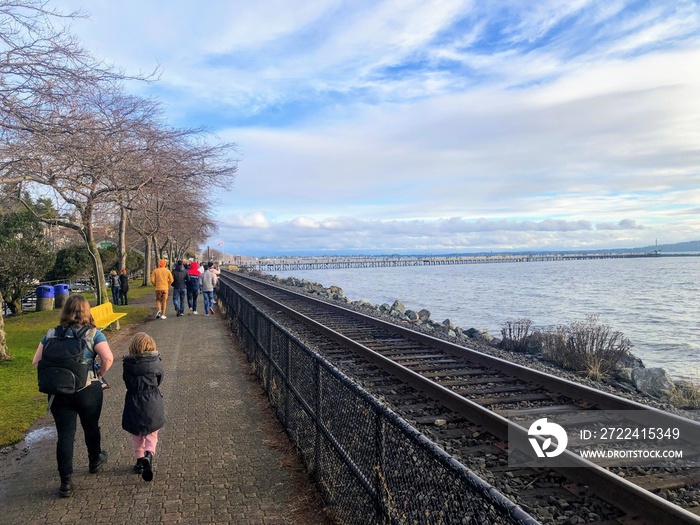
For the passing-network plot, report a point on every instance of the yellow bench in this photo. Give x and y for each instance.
(104, 316)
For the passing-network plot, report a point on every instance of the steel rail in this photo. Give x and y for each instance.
(610, 487)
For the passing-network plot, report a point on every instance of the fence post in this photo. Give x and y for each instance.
(317, 418)
(269, 358)
(379, 488)
(287, 368)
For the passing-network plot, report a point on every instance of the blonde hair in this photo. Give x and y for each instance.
(76, 312)
(142, 342)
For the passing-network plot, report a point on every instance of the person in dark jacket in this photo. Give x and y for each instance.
(179, 288)
(123, 287)
(143, 412)
(193, 287)
(114, 286)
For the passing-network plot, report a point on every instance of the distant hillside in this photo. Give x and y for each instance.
(688, 246)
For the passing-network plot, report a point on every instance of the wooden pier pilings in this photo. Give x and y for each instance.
(326, 263)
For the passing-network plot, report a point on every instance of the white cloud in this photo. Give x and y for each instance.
(372, 123)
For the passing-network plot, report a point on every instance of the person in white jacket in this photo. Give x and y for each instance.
(208, 280)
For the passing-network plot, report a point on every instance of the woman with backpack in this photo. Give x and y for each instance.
(86, 402)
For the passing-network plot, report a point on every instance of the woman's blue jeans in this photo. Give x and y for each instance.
(179, 300)
(208, 301)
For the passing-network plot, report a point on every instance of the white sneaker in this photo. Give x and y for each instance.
(195, 312)
(189, 311)
(158, 314)
(163, 317)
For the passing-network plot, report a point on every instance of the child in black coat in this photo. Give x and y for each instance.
(143, 412)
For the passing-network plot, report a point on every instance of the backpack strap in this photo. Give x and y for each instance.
(81, 332)
(89, 336)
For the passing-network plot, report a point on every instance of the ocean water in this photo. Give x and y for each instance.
(654, 302)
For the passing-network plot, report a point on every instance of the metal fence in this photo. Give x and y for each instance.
(369, 464)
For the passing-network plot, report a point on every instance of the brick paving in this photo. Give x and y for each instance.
(222, 457)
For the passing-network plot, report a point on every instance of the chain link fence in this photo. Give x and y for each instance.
(369, 464)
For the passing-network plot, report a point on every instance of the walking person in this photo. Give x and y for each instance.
(143, 413)
(161, 278)
(208, 281)
(179, 288)
(193, 287)
(86, 402)
(113, 282)
(217, 272)
(123, 288)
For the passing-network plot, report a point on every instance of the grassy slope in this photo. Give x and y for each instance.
(21, 403)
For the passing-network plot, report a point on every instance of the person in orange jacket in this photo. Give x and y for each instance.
(161, 278)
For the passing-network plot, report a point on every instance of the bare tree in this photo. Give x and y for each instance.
(37, 61)
(188, 224)
(85, 165)
(179, 161)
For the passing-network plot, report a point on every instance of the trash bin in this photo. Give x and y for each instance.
(61, 293)
(44, 298)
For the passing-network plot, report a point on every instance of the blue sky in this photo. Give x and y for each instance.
(430, 126)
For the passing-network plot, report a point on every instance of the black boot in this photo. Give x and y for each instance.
(146, 461)
(96, 464)
(138, 468)
(66, 488)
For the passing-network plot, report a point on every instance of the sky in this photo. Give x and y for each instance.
(429, 126)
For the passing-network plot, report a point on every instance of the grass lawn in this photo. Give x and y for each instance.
(21, 403)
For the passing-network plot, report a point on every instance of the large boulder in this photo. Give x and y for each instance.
(398, 307)
(449, 325)
(630, 361)
(654, 382)
(479, 333)
(423, 315)
(411, 316)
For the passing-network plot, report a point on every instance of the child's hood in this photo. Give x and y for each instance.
(140, 358)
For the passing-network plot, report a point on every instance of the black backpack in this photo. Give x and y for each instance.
(62, 368)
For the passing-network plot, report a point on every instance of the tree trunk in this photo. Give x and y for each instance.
(147, 260)
(99, 274)
(121, 248)
(4, 352)
(15, 305)
(97, 268)
(157, 251)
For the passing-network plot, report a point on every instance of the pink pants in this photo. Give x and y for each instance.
(144, 443)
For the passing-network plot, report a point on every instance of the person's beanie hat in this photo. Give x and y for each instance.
(162, 263)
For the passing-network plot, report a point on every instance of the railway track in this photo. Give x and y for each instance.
(482, 409)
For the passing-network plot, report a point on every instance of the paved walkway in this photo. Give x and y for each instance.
(222, 457)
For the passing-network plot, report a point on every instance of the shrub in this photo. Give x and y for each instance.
(587, 346)
(685, 394)
(515, 335)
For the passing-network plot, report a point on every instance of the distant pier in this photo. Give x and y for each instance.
(281, 264)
